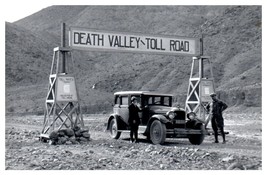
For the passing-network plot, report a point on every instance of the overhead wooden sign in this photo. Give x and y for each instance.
(132, 42)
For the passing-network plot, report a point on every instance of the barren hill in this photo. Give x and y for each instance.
(232, 37)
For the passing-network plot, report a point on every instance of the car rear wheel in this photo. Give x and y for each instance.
(157, 132)
(197, 139)
(113, 129)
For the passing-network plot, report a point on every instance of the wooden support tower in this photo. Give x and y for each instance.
(62, 100)
(201, 85)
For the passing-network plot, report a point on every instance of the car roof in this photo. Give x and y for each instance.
(141, 92)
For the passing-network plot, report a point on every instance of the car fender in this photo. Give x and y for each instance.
(120, 123)
(112, 116)
(159, 117)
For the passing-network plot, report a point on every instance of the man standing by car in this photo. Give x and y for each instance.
(134, 119)
(215, 109)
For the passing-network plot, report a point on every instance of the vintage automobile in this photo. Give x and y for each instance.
(159, 120)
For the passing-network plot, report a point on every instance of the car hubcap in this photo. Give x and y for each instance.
(114, 129)
(156, 132)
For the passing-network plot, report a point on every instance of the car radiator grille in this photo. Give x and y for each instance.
(179, 120)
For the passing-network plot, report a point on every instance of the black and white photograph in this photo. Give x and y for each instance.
(132, 87)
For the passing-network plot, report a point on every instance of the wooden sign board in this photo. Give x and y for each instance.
(206, 89)
(81, 38)
(66, 89)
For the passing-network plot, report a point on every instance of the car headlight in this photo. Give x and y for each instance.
(171, 114)
(191, 115)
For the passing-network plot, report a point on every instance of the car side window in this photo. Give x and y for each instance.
(150, 100)
(157, 100)
(117, 100)
(124, 100)
(166, 101)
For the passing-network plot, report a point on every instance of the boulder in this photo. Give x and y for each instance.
(51, 142)
(68, 132)
(62, 140)
(86, 135)
(83, 139)
(76, 128)
(61, 133)
(236, 166)
(78, 133)
(73, 140)
(54, 135)
(85, 129)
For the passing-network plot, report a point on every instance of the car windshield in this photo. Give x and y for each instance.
(158, 100)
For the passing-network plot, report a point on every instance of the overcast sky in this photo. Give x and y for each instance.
(22, 11)
(13, 10)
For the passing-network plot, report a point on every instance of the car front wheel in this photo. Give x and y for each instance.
(157, 132)
(113, 129)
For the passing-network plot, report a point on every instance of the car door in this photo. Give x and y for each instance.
(122, 108)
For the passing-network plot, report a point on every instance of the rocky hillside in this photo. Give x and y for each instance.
(232, 37)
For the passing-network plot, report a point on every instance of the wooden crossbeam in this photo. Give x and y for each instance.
(67, 115)
(194, 88)
(58, 116)
(51, 89)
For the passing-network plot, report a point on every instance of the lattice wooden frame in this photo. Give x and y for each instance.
(194, 101)
(59, 114)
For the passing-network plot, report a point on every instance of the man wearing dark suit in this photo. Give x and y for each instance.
(134, 119)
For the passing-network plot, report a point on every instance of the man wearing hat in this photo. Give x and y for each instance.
(134, 119)
(215, 109)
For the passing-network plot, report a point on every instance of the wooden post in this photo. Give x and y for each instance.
(63, 44)
(201, 45)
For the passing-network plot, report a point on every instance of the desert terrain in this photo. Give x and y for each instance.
(24, 151)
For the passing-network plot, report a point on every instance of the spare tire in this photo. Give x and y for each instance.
(197, 139)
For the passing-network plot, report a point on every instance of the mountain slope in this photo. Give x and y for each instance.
(27, 57)
(232, 37)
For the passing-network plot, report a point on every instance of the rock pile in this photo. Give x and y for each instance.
(69, 136)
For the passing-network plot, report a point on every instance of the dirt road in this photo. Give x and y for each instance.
(243, 149)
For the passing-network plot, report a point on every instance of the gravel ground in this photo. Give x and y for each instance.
(24, 151)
